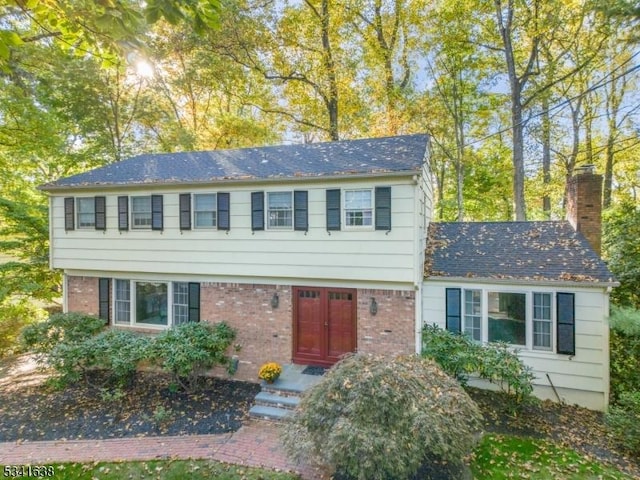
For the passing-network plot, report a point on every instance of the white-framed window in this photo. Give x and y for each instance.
(524, 319)
(542, 321)
(141, 212)
(86, 212)
(122, 302)
(507, 317)
(472, 314)
(358, 208)
(205, 210)
(280, 210)
(151, 301)
(180, 303)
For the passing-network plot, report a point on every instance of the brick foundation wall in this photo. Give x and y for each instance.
(82, 295)
(392, 330)
(263, 332)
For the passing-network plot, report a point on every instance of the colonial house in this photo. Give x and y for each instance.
(312, 251)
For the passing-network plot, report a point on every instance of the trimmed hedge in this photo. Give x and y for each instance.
(373, 417)
(73, 344)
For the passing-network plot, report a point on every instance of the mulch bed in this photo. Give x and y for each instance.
(148, 407)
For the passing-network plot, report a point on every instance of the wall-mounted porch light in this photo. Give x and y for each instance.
(373, 306)
(275, 300)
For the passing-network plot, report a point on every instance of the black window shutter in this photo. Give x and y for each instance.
(257, 211)
(301, 210)
(100, 207)
(185, 211)
(454, 310)
(69, 213)
(104, 285)
(123, 213)
(194, 302)
(156, 212)
(566, 323)
(383, 208)
(224, 222)
(333, 209)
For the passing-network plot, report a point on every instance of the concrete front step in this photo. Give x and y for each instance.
(275, 400)
(270, 413)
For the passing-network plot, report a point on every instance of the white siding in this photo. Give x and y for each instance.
(363, 255)
(582, 378)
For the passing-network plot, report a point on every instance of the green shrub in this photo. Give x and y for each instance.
(624, 346)
(457, 355)
(190, 349)
(374, 417)
(624, 421)
(14, 316)
(68, 328)
(118, 352)
(59, 343)
(460, 357)
(501, 366)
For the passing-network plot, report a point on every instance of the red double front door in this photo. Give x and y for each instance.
(324, 324)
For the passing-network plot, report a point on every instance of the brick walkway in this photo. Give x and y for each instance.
(256, 444)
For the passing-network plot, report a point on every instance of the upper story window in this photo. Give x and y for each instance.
(205, 210)
(280, 210)
(358, 208)
(86, 212)
(141, 212)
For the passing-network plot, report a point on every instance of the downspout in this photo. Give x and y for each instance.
(418, 303)
(419, 231)
(605, 334)
(65, 293)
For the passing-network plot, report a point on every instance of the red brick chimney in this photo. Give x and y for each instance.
(584, 204)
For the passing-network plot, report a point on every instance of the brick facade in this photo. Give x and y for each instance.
(392, 330)
(584, 206)
(265, 333)
(82, 295)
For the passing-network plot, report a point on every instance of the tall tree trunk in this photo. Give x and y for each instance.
(504, 16)
(546, 157)
(329, 63)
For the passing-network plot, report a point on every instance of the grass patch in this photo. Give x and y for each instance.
(502, 457)
(162, 470)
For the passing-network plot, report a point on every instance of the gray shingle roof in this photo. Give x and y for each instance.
(347, 157)
(536, 251)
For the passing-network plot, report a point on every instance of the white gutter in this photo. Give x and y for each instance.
(227, 181)
(526, 281)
